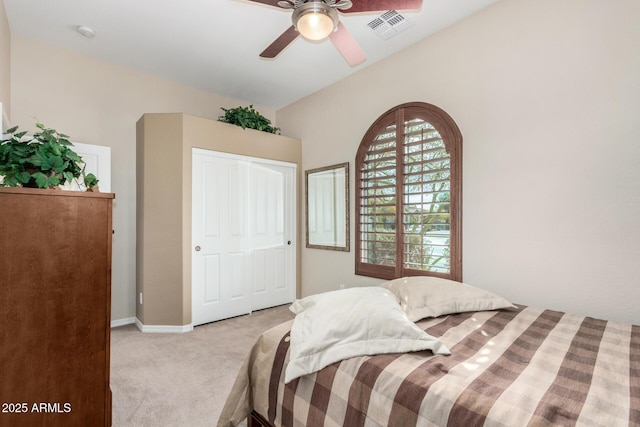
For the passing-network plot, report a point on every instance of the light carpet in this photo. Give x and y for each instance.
(175, 380)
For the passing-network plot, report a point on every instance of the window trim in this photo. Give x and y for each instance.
(452, 139)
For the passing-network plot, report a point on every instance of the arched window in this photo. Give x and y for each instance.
(409, 192)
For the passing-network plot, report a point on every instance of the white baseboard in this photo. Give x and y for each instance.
(123, 322)
(163, 329)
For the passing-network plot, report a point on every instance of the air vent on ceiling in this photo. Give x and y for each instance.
(389, 24)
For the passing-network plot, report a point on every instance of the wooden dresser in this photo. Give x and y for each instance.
(55, 307)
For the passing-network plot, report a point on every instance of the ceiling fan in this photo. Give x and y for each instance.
(318, 19)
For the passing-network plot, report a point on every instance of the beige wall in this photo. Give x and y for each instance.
(546, 94)
(159, 219)
(99, 103)
(165, 143)
(5, 64)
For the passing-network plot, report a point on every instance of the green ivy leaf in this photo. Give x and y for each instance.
(57, 164)
(68, 176)
(90, 180)
(42, 181)
(72, 155)
(23, 177)
(9, 181)
(55, 148)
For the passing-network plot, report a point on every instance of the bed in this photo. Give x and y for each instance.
(509, 365)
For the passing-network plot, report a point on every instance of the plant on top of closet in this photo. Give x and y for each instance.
(247, 117)
(44, 160)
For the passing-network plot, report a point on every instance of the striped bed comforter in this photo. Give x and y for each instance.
(525, 367)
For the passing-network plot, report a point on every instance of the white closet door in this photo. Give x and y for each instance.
(272, 224)
(243, 221)
(220, 261)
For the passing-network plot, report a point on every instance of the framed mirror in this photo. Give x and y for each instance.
(327, 200)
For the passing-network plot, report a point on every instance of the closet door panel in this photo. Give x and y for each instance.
(272, 225)
(219, 239)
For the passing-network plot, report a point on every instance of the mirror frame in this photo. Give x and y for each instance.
(345, 166)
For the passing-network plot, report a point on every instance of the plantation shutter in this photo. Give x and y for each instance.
(426, 209)
(408, 195)
(378, 200)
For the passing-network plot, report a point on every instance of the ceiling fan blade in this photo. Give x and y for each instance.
(273, 3)
(347, 46)
(343, 4)
(280, 43)
(382, 5)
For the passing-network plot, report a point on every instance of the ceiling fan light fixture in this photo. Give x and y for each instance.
(315, 20)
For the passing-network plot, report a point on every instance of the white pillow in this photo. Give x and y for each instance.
(426, 296)
(338, 325)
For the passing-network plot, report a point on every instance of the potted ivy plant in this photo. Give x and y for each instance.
(44, 160)
(247, 117)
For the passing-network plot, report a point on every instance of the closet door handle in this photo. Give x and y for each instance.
(289, 243)
(198, 248)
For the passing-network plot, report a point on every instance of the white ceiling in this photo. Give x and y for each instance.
(214, 44)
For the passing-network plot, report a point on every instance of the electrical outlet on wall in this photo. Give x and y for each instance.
(140, 298)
